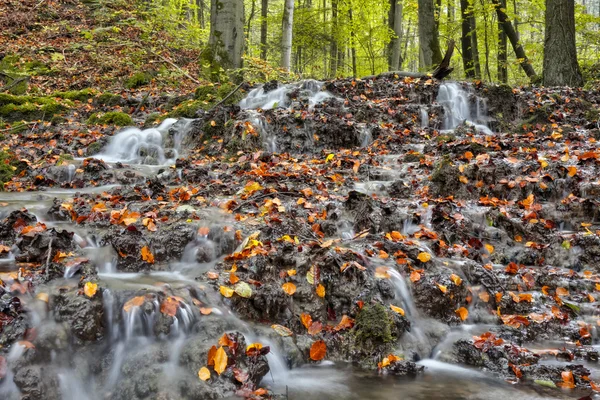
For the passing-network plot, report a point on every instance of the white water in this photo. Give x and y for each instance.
(137, 146)
(309, 89)
(459, 108)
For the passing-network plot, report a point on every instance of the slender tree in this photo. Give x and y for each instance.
(264, 13)
(226, 38)
(395, 24)
(502, 51)
(560, 54)
(430, 53)
(465, 40)
(286, 41)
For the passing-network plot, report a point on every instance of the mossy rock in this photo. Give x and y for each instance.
(7, 168)
(28, 108)
(152, 119)
(108, 99)
(373, 327)
(93, 149)
(110, 118)
(137, 80)
(188, 109)
(76, 95)
(206, 92)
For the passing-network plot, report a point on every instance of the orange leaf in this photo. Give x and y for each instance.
(561, 291)
(463, 313)
(225, 341)
(321, 290)
(306, 320)
(484, 296)
(211, 355)
(456, 279)
(345, 323)
(318, 350)
(443, 288)
(424, 257)
(170, 306)
(568, 380)
(289, 288)
(204, 374)
(415, 276)
(147, 255)
(90, 289)
(397, 310)
(135, 302)
(572, 171)
(220, 361)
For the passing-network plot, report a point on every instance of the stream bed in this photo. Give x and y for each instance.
(378, 239)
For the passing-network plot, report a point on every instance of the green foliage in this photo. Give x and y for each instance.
(110, 118)
(108, 99)
(373, 326)
(7, 168)
(28, 108)
(188, 109)
(137, 80)
(76, 95)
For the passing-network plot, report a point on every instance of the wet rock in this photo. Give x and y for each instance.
(83, 316)
(8, 230)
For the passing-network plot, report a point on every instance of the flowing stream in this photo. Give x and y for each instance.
(134, 337)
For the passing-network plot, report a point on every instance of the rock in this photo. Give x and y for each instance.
(83, 316)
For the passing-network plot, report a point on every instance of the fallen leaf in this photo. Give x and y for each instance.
(415, 276)
(135, 302)
(345, 323)
(424, 257)
(289, 288)
(282, 330)
(320, 291)
(90, 289)
(243, 290)
(397, 310)
(204, 374)
(306, 320)
(169, 306)
(226, 292)
(456, 279)
(568, 380)
(220, 360)
(147, 255)
(463, 313)
(318, 350)
(443, 288)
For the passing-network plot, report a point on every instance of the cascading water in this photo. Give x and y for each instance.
(261, 98)
(459, 108)
(147, 146)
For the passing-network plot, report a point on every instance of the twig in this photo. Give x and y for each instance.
(17, 126)
(48, 258)
(142, 103)
(226, 97)
(14, 83)
(38, 4)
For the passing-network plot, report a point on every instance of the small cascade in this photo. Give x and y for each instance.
(147, 146)
(424, 117)
(459, 108)
(265, 99)
(258, 122)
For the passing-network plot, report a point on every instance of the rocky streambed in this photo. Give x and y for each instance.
(350, 239)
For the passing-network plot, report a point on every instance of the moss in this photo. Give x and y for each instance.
(206, 92)
(94, 148)
(108, 99)
(28, 108)
(445, 138)
(110, 118)
(188, 109)
(7, 169)
(413, 157)
(440, 169)
(152, 119)
(373, 326)
(137, 80)
(75, 95)
(64, 157)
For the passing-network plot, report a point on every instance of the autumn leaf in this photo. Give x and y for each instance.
(289, 288)
(415, 276)
(463, 313)
(489, 248)
(456, 279)
(443, 288)
(226, 292)
(306, 320)
(204, 374)
(568, 381)
(135, 302)
(424, 257)
(572, 171)
(242, 289)
(90, 289)
(169, 306)
(212, 352)
(147, 255)
(397, 310)
(220, 361)
(463, 179)
(282, 330)
(345, 323)
(318, 350)
(561, 291)
(320, 291)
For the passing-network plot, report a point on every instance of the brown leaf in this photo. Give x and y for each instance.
(318, 350)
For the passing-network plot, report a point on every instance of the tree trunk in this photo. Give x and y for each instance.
(352, 43)
(502, 51)
(429, 44)
(514, 41)
(264, 13)
(250, 18)
(333, 46)
(466, 42)
(560, 54)
(227, 32)
(286, 41)
(474, 44)
(395, 24)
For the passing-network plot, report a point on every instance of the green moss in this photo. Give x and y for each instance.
(64, 157)
(137, 80)
(373, 326)
(94, 148)
(206, 92)
(28, 108)
(188, 109)
(110, 118)
(440, 169)
(108, 99)
(445, 138)
(75, 95)
(152, 119)
(7, 169)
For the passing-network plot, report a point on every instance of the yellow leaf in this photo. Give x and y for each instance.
(252, 187)
(443, 288)
(424, 257)
(90, 289)
(456, 279)
(204, 374)
(289, 288)
(43, 297)
(220, 361)
(147, 255)
(489, 248)
(213, 123)
(572, 171)
(329, 157)
(463, 179)
(225, 291)
(321, 290)
(282, 330)
(397, 310)
(463, 313)
(291, 272)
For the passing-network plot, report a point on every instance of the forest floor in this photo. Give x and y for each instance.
(496, 237)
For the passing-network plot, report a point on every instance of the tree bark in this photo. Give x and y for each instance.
(429, 44)
(560, 53)
(333, 45)
(502, 51)
(514, 41)
(286, 41)
(474, 44)
(465, 40)
(352, 43)
(227, 32)
(395, 24)
(264, 13)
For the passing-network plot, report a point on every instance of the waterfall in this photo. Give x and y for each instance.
(459, 108)
(262, 98)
